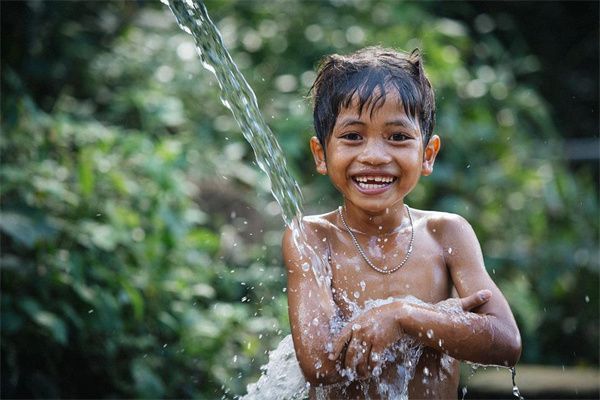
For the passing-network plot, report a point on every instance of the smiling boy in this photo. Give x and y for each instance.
(374, 115)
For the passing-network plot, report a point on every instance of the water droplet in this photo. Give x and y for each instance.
(430, 333)
(164, 345)
(315, 321)
(235, 358)
(426, 371)
(90, 311)
(440, 342)
(305, 267)
(516, 392)
(363, 286)
(284, 289)
(356, 295)
(449, 250)
(587, 299)
(356, 327)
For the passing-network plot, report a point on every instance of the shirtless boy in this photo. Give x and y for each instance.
(374, 115)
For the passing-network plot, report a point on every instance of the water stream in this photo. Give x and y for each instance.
(281, 378)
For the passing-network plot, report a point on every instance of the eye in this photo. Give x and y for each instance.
(399, 137)
(351, 136)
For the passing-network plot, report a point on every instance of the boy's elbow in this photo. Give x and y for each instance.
(513, 351)
(317, 374)
(506, 345)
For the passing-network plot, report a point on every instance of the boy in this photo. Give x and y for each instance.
(374, 115)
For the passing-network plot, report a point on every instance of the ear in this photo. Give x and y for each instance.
(319, 155)
(431, 151)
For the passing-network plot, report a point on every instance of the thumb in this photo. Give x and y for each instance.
(476, 299)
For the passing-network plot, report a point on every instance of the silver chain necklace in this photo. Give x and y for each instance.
(364, 255)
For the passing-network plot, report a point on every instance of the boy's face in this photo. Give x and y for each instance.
(376, 158)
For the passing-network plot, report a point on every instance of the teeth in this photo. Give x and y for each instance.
(383, 179)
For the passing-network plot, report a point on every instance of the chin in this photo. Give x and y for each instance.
(370, 207)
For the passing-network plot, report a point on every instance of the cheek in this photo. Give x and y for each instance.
(411, 160)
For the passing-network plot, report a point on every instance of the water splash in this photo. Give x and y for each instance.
(238, 97)
(513, 371)
(281, 378)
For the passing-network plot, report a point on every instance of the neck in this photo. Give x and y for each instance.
(380, 223)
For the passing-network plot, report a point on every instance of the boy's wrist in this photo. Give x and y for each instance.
(401, 314)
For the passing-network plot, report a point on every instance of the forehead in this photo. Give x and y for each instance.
(380, 105)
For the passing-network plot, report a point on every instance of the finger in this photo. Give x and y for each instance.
(362, 368)
(340, 343)
(352, 355)
(475, 300)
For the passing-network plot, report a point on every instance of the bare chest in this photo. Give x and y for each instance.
(424, 275)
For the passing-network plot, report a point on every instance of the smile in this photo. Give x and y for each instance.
(373, 184)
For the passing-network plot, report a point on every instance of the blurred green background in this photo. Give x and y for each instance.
(140, 244)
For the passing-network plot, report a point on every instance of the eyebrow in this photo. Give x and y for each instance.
(395, 122)
(351, 121)
(400, 122)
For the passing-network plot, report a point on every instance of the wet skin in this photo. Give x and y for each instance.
(375, 159)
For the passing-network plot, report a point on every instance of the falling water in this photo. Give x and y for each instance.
(239, 98)
(281, 378)
(516, 392)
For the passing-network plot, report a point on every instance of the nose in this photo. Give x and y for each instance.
(374, 152)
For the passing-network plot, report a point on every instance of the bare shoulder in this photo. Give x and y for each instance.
(443, 226)
(439, 220)
(314, 229)
(321, 224)
(456, 238)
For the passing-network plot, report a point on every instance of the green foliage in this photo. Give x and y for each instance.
(140, 245)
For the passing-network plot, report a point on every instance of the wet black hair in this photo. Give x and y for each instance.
(365, 76)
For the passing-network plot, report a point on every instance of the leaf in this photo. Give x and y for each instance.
(26, 229)
(86, 172)
(203, 239)
(147, 383)
(136, 299)
(46, 319)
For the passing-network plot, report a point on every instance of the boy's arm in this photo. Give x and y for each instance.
(491, 335)
(311, 308)
(487, 336)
